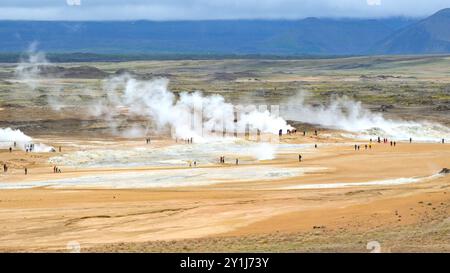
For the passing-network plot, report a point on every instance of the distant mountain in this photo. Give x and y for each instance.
(311, 36)
(431, 35)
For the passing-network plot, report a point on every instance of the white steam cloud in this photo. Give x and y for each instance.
(28, 72)
(345, 114)
(9, 137)
(189, 115)
(29, 68)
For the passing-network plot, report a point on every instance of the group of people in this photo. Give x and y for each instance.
(294, 131)
(56, 169)
(190, 163)
(10, 148)
(358, 147)
(222, 160)
(29, 147)
(385, 141)
(5, 169)
(186, 140)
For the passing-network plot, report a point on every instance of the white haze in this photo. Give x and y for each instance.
(8, 136)
(27, 72)
(29, 68)
(184, 114)
(345, 114)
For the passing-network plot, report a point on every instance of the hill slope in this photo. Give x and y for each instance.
(279, 37)
(431, 35)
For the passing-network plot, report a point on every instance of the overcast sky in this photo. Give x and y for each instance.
(212, 9)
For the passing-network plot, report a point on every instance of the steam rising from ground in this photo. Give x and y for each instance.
(189, 114)
(28, 70)
(11, 135)
(144, 104)
(345, 114)
(8, 136)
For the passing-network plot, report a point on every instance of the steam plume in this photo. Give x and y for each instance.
(346, 114)
(153, 100)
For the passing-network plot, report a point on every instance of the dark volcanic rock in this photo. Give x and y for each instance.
(84, 72)
(445, 171)
(442, 108)
(80, 72)
(385, 108)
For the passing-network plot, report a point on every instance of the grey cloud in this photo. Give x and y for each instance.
(212, 9)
